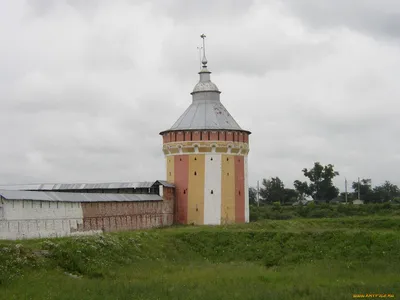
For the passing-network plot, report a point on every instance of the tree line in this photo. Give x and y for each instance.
(318, 185)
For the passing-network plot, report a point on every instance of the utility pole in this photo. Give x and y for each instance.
(359, 188)
(258, 193)
(345, 189)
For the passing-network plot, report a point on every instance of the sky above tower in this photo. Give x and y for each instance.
(86, 86)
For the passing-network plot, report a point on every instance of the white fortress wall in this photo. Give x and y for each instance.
(36, 219)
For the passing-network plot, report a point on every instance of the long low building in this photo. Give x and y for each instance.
(38, 213)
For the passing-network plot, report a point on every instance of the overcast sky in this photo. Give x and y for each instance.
(86, 86)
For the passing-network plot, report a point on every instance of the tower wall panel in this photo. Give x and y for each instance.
(212, 189)
(246, 188)
(239, 190)
(196, 189)
(227, 189)
(181, 179)
(171, 169)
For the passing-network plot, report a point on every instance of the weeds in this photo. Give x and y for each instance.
(292, 259)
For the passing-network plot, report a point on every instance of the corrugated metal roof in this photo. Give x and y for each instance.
(77, 197)
(165, 183)
(78, 186)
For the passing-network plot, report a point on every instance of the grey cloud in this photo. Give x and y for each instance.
(184, 11)
(41, 7)
(380, 18)
(239, 47)
(90, 107)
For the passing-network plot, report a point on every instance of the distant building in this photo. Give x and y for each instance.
(358, 202)
(303, 202)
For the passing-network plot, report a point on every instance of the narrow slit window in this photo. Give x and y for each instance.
(211, 158)
(239, 193)
(227, 159)
(195, 173)
(195, 158)
(212, 192)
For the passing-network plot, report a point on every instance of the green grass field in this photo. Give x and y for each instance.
(288, 259)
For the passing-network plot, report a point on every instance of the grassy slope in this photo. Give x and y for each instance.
(295, 259)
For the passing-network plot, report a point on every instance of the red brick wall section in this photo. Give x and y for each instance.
(179, 136)
(196, 136)
(204, 136)
(213, 135)
(169, 193)
(188, 136)
(232, 136)
(246, 138)
(239, 190)
(222, 136)
(229, 136)
(119, 216)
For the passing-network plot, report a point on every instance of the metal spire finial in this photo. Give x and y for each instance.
(199, 48)
(204, 61)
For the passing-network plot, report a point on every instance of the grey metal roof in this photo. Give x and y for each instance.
(78, 186)
(76, 197)
(206, 110)
(206, 114)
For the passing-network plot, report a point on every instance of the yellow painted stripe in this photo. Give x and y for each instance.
(196, 189)
(170, 168)
(227, 189)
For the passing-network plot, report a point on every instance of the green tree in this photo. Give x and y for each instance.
(272, 190)
(291, 195)
(386, 192)
(252, 196)
(301, 188)
(321, 186)
(366, 193)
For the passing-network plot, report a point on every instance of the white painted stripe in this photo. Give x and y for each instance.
(212, 182)
(246, 188)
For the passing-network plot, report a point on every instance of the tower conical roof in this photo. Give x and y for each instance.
(206, 111)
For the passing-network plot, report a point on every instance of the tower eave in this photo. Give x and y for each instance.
(204, 129)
